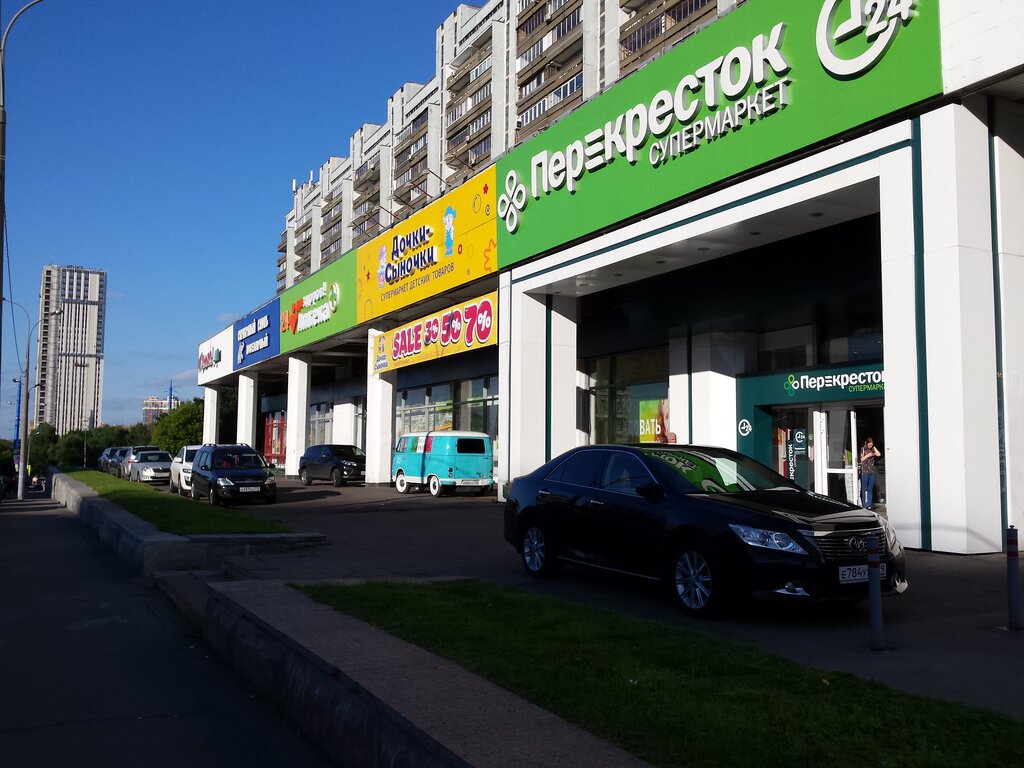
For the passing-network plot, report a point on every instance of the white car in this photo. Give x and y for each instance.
(150, 467)
(181, 469)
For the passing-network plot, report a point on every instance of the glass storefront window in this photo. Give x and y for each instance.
(630, 395)
(470, 404)
(321, 424)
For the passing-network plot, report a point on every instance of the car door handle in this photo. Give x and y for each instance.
(595, 503)
(543, 492)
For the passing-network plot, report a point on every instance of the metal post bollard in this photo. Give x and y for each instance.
(875, 594)
(1013, 578)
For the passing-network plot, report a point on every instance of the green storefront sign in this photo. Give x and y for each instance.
(765, 80)
(320, 306)
(755, 395)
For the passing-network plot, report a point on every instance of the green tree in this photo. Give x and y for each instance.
(41, 444)
(182, 426)
(140, 434)
(68, 452)
(227, 416)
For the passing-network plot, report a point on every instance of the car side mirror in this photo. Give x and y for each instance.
(270, 466)
(651, 492)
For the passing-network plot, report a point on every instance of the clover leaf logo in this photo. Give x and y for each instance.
(512, 201)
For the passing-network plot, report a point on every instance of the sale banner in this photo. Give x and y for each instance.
(470, 325)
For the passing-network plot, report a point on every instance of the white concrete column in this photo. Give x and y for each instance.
(963, 445)
(211, 408)
(343, 424)
(563, 373)
(679, 389)
(248, 407)
(299, 367)
(523, 396)
(380, 418)
(717, 359)
(531, 375)
(902, 446)
(1008, 148)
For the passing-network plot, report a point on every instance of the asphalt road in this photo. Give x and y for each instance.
(97, 667)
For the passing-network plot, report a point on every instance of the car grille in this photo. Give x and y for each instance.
(850, 546)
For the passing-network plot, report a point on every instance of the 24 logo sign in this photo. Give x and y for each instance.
(852, 46)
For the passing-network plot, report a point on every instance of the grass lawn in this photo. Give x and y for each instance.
(172, 513)
(675, 697)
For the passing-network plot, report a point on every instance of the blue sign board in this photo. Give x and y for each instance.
(256, 336)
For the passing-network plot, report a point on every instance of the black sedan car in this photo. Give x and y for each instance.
(710, 523)
(337, 463)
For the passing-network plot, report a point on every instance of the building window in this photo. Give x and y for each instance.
(321, 424)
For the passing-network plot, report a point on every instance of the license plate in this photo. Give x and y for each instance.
(248, 489)
(855, 574)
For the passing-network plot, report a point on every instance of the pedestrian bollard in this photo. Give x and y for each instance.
(875, 593)
(1013, 578)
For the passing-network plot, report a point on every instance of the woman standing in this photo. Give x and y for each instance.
(868, 474)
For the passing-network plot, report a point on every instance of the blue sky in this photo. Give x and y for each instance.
(158, 140)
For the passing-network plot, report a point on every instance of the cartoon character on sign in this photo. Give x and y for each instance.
(449, 231)
(382, 261)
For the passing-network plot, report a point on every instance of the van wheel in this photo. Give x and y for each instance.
(434, 484)
(401, 484)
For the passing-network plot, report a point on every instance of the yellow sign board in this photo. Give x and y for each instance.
(451, 242)
(470, 325)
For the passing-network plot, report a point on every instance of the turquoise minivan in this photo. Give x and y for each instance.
(443, 461)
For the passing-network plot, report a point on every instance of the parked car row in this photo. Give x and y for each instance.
(119, 460)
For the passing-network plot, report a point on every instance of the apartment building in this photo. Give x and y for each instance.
(69, 351)
(154, 407)
(504, 71)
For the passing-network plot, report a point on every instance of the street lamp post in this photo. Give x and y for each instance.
(3, 152)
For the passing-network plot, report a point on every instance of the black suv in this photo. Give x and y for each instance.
(224, 473)
(337, 463)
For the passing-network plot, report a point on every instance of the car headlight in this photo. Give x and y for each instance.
(224, 482)
(774, 540)
(890, 535)
(271, 480)
(186, 472)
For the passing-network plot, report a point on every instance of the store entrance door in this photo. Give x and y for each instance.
(817, 446)
(835, 471)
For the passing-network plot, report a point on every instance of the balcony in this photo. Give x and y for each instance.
(368, 169)
(468, 73)
(413, 131)
(662, 26)
(282, 246)
(331, 217)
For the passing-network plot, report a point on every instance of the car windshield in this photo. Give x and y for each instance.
(155, 456)
(714, 471)
(346, 451)
(243, 459)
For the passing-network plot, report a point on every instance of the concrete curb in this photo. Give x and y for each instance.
(369, 699)
(149, 550)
